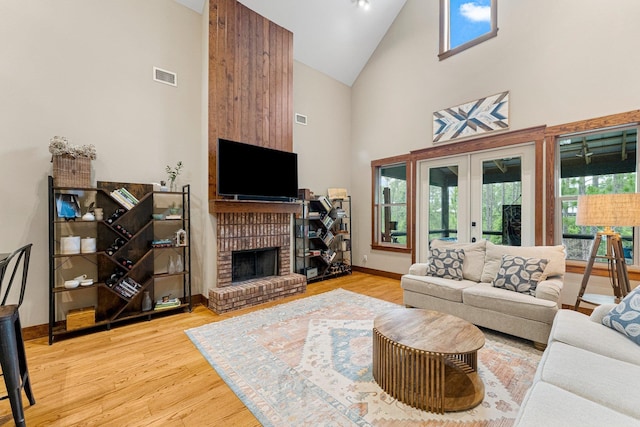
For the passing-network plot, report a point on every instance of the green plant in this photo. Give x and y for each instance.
(172, 173)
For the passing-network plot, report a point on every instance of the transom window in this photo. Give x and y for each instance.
(600, 162)
(465, 23)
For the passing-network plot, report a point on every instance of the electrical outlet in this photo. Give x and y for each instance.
(364, 258)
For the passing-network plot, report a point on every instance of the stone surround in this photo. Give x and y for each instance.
(240, 231)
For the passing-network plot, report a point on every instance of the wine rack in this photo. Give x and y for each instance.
(126, 264)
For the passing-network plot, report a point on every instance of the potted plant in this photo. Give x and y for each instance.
(172, 174)
(71, 163)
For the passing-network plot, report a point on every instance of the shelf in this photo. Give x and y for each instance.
(112, 305)
(77, 255)
(79, 288)
(318, 228)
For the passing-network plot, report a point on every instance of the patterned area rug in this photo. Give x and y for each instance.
(308, 362)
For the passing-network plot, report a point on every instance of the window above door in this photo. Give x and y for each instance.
(466, 23)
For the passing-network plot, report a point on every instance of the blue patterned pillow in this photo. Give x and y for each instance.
(520, 274)
(446, 263)
(625, 317)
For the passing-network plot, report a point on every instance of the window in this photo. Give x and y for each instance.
(391, 208)
(599, 162)
(465, 23)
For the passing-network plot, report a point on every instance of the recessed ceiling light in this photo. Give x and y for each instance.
(362, 3)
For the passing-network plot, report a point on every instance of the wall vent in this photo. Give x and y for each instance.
(164, 76)
(301, 119)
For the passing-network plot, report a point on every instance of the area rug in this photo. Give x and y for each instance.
(308, 363)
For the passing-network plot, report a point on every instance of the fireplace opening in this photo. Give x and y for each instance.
(254, 264)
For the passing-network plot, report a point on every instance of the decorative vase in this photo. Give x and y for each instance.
(179, 266)
(146, 301)
(172, 266)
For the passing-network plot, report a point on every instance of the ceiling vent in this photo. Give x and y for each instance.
(164, 76)
(301, 119)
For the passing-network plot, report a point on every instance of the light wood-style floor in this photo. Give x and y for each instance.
(148, 373)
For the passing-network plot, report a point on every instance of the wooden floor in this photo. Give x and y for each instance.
(148, 373)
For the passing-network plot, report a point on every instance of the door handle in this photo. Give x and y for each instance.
(473, 240)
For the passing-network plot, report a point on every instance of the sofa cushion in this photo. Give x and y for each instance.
(576, 329)
(550, 406)
(519, 274)
(436, 286)
(446, 263)
(577, 370)
(555, 255)
(485, 296)
(625, 317)
(473, 256)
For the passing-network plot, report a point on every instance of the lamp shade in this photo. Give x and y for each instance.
(609, 210)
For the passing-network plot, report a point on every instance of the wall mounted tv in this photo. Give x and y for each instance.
(252, 172)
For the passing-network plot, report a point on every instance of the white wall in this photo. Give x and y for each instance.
(83, 69)
(323, 145)
(561, 61)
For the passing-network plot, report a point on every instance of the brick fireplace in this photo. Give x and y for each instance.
(239, 232)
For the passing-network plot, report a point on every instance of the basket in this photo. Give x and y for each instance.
(71, 171)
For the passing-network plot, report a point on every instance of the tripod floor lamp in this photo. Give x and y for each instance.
(608, 210)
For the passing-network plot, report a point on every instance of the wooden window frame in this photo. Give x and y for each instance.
(552, 134)
(376, 244)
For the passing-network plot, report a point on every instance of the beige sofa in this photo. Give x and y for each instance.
(477, 301)
(588, 376)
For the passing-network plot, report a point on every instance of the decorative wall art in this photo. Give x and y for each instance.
(474, 118)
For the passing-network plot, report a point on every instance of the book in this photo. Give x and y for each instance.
(128, 195)
(120, 199)
(169, 303)
(327, 221)
(328, 238)
(326, 204)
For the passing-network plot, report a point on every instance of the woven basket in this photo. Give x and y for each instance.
(71, 171)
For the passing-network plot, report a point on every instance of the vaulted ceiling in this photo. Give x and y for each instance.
(335, 37)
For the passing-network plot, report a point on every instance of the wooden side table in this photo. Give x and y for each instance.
(428, 359)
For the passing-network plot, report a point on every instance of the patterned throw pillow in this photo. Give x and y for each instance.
(520, 274)
(625, 317)
(446, 263)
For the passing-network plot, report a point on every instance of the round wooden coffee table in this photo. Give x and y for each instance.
(428, 359)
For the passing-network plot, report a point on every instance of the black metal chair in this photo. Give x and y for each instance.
(14, 269)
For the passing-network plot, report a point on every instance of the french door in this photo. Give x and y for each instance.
(485, 195)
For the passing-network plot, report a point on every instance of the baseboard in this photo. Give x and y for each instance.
(41, 331)
(377, 272)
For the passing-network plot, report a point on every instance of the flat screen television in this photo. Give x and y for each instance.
(252, 172)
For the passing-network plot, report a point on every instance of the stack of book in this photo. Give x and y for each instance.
(165, 303)
(326, 204)
(328, 256)
(328, 237)
(125, 198)
(327, 221)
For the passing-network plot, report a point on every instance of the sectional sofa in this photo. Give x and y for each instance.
(588, 376)
(527, 313)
